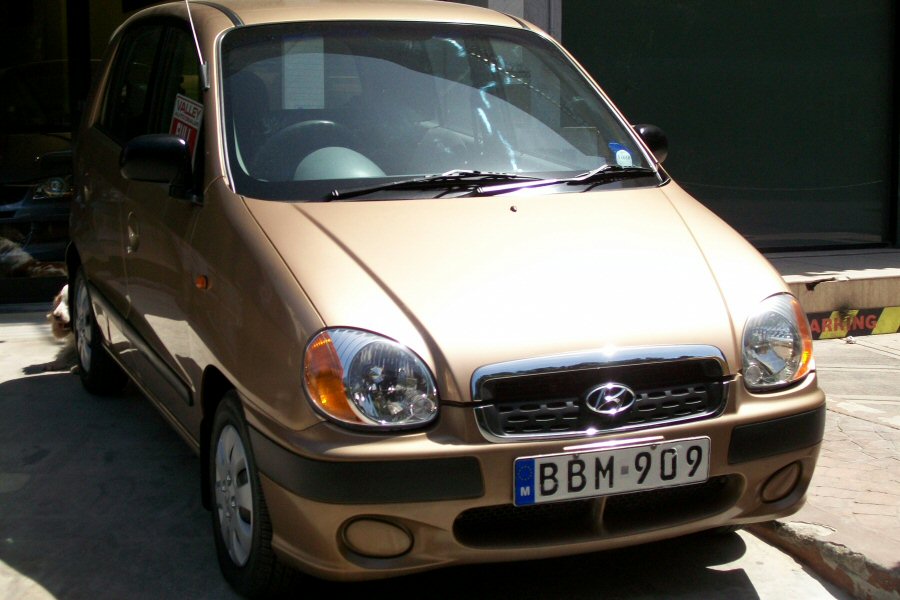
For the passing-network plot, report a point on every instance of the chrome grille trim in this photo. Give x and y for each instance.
(601, 358)
(543, 398)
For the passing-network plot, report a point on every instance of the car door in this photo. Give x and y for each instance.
(124, 113)
(158, 256)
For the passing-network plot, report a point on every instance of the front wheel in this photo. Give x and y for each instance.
(100, 374)
(241, 526)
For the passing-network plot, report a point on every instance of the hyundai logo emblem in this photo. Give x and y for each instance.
(610, 399)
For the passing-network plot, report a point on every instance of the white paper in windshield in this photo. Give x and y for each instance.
(303, 74)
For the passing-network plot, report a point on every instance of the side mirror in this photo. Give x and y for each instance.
(655, 139)
(159, 158)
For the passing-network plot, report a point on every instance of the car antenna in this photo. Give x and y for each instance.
(204, 66)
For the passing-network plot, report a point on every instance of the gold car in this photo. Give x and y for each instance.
(419, 295)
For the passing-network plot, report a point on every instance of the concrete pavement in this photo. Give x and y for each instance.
(849, 529)
(98, 496)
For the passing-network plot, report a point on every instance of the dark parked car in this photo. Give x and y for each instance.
(35, 168)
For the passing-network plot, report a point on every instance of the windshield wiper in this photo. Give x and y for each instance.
(450, 180)
(601, 174)
(609, 173)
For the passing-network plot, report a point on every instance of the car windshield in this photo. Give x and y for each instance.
(312, 108)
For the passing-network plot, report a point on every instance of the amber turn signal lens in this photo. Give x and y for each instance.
(806, 360)
(325, 379)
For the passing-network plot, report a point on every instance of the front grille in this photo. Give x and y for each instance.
(512, 525)
(582, 520)
(552, 402)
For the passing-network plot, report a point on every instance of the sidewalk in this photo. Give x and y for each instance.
(849, 529)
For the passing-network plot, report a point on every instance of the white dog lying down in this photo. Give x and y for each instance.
(60, 321)
(61, 328)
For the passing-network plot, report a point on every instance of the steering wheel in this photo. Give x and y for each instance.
(278, 157)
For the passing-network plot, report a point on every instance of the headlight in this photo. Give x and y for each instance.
(363, 379)
(777, 345)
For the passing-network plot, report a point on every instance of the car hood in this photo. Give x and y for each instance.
(475, 281)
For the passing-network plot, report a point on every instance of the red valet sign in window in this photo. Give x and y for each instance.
(186, 118)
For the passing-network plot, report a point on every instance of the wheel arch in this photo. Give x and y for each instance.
(213, 388)
(73, 260)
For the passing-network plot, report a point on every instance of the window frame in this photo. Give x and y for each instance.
(163, 59)
(107, 121)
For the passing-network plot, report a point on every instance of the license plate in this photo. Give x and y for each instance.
(568, 476)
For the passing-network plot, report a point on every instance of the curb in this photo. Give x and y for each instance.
(836, 563)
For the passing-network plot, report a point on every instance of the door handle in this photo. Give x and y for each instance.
(132, 234)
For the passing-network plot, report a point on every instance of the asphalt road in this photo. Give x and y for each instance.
(99, 499)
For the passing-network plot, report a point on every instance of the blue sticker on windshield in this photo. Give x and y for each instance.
(623, 156)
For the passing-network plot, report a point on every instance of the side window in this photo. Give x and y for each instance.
(180, 98)
(126, 110)
(181, 79)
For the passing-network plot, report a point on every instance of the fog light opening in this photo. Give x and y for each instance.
(376, 538)
(782, 483)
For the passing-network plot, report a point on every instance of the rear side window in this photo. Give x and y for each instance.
(126, 109)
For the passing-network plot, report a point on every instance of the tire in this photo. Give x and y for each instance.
(240, 519)
(100, 374)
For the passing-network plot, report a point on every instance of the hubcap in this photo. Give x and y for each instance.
(234, 498)
(83, 331)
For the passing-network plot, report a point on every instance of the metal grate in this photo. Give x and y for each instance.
(553, 403)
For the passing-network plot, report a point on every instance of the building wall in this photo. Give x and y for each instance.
(781, 116)
(546, 14)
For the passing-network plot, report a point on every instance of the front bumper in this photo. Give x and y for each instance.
(358, 512)
(370, 482)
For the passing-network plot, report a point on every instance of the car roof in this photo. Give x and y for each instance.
(253, 12)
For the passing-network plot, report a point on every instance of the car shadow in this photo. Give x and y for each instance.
(99, 498)
(674, 568)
